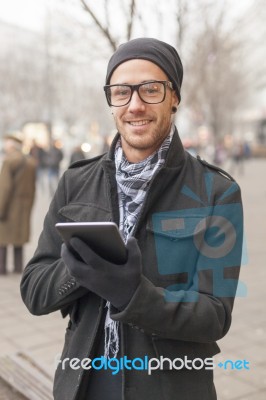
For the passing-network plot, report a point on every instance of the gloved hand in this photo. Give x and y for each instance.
(114, 283)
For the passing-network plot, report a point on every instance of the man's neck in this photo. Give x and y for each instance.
(135, 155)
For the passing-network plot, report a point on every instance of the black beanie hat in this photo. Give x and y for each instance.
(154, 50)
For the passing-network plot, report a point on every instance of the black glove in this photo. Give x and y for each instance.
(114, 283)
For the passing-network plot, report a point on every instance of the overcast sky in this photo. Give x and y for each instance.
(26, 13)
(30, 13)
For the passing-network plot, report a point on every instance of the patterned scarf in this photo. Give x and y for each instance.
(132, 184)
(133, 181)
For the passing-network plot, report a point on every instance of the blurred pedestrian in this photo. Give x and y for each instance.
(17, 190)
(219, 154)
(247, 150)
(39, 155)
(237, 157)
(76, 155)
(53, 159)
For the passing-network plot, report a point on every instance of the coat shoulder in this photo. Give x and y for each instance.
(82, 163)
(219, 170)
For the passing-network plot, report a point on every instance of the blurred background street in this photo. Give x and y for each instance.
(53, 58)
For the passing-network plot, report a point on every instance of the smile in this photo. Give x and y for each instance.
(139, 123)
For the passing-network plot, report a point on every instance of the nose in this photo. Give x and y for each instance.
(136, 104)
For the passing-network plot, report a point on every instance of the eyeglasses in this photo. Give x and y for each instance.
(152, 92)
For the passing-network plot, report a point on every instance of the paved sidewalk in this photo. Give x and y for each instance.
(7, 393)
(246, 339)
(43, 336)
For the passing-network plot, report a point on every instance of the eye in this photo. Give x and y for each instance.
(121, 91)
(152, 88)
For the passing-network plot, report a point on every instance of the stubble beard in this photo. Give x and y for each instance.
(153, 139)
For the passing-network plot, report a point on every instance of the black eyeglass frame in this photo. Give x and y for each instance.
(136, 88)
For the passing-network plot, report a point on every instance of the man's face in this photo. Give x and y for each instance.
(143, 127)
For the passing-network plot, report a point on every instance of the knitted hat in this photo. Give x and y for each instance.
(154, 50)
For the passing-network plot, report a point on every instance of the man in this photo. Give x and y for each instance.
(173, 297)
(17, 190)
(54, 156)
(39, 154)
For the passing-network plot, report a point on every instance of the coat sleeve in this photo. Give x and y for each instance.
(46, 285)
(6, 189)
(202, 313)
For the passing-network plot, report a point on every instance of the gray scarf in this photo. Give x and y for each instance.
(132, 184)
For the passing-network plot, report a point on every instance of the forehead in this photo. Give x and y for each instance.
(137, 71)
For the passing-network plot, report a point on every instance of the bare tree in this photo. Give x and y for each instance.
(254, 31)
(104, 29)
(49, 79)
(211, 55)
(216, 83)
(181, 13)
(105, 26)
(21, 94)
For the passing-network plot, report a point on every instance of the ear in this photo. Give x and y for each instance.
(175, 102)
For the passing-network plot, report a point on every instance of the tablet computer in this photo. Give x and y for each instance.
(103, 237)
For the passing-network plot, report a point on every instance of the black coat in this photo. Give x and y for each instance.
(183, 303)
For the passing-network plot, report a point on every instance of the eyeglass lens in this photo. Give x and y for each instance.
(150, 92)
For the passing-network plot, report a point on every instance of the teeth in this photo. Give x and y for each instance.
(138, 123)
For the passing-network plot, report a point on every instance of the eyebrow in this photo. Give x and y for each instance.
(145, 81)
